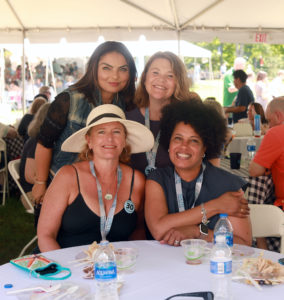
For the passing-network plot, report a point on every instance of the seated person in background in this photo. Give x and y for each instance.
(180, 196)
(211, 101)
(27, 164)
(28, 117)
(99, 197)
(257, 109)
(46, 90)
(244, 97)
(270, 154)
(6, 131)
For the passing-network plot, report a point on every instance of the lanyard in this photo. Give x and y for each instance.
(198, 186)
(151, 155)
(106, 222)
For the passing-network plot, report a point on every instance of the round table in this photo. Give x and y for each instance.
(160, 272)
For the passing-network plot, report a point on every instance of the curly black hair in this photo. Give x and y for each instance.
(205, 120)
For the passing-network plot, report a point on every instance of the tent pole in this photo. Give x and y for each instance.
(46, 72)
(23, 74)
(211, 76)
(2, 75)
(52, 76)
(178, 36)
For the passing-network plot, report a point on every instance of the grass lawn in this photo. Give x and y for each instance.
(17, 229)
(209, 88)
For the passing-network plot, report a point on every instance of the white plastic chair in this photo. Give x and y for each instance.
(4, 171)
(14, 169)
(243, 129)
(267, 221)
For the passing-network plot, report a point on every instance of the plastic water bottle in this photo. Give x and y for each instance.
(105, 273)
(257, 126)
(224, 228)
(221, 269)
(251, 148)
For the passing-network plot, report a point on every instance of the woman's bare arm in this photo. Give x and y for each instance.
(160, 221)
(55, 203)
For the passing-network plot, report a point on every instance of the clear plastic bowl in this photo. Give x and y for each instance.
(126, 257)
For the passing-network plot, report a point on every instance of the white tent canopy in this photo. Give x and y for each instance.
(239, 21)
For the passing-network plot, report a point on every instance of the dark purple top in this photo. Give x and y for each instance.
(139, 160)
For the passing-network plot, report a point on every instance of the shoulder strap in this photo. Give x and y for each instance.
(77, 178)
(132, 182)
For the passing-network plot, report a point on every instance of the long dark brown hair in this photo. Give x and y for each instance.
(89, 82)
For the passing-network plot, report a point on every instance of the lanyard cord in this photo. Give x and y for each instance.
(105, 222)
(151, 155)
(198, 186)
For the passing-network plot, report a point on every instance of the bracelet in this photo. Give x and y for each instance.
(40, 182)
(203, 213)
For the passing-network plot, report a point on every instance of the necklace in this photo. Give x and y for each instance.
(108, 196)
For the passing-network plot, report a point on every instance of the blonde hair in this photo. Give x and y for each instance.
(37, 121)
(36, 105)
(182, 82)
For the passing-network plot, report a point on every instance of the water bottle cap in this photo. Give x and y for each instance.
(223, 215)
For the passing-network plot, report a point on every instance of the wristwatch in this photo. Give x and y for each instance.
(203, 228)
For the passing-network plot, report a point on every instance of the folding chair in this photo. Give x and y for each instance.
(14, 169)
(4, 171)
(267, 221)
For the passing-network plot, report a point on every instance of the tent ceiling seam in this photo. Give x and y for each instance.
(174, 11)
(15, 15)
(148, 12)
(203, 11)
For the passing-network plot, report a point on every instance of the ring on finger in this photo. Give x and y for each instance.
(176, 242)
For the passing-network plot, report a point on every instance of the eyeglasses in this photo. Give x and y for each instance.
(204, 295)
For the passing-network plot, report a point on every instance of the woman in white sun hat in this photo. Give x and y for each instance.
(98, 197)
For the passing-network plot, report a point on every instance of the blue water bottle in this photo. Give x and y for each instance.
(257, 126)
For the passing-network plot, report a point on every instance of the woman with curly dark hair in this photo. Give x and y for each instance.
(181, 197)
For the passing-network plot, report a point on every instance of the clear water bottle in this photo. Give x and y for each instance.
(251, 148)
(224, 228)
(105, 273)
(221, 269)
(257, 126)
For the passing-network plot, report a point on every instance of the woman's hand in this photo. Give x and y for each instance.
(233, 203)
(38, 192)
(175, 235)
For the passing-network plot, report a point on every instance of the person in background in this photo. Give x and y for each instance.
(100, 197)
(244, 97)
(109, 78)
(27, 164)
(270, 155)
(277, 85)
(46, 90)
(256, 109)
(261, 89)
(7, 131)
(28, 117)
(230, 91)
(185, 194)
(164, 80)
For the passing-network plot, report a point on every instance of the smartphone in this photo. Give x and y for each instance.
(281, 261)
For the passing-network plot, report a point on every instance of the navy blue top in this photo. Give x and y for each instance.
(216, 182)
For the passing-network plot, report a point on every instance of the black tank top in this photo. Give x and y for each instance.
(81, 226)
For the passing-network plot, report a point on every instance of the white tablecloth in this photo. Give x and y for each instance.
(160, 272)
(239, 144)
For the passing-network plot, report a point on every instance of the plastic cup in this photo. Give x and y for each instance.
(194, 250)
(235, 160)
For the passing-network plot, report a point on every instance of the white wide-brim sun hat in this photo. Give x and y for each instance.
(139, 137)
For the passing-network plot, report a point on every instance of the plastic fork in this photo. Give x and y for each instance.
(40, 288)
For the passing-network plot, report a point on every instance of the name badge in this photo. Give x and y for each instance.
(129, 206)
